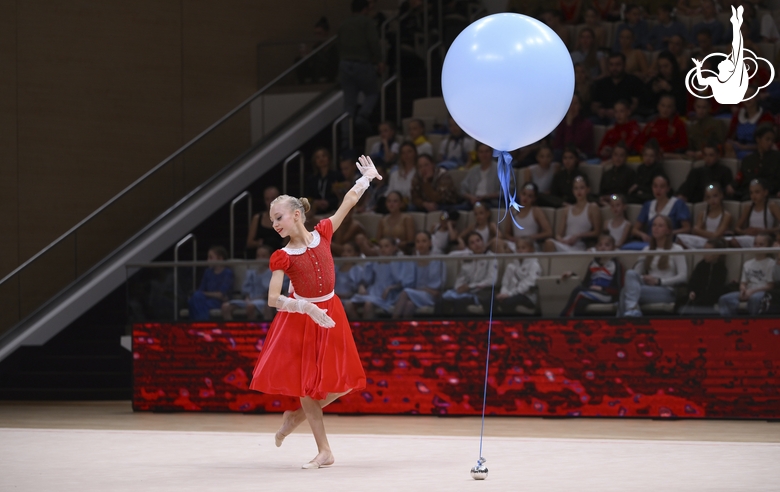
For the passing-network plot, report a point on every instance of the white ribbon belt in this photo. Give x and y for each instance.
(315, 299)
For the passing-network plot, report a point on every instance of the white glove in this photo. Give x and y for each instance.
(305, 307)
(366, 167)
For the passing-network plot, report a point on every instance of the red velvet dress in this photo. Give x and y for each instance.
(299, 357)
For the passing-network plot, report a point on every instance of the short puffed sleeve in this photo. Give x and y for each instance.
(325, 228)
(280, 260)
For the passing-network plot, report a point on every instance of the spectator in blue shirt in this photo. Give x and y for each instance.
(214, 288)
(666, 28)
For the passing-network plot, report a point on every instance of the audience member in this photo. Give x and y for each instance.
(323, 66)
(429, 279)
(261, 230)
(594, 22)
(608, 10)
(771, 302)
(652, 280)
(618, 227)
(215, 286)
(541, 174)
(518, 285)
(582, 221)
(634, 24)
(483, 225)
(385, 152)
(618, 85)
(668, 80)
(349, 275)
(254, 290)
(668, 129)
(349, 174)
(692, 190)
(712, 223)
(756, 280)
(636, 61)
(554, 19)
(563, 181)
(704, 40)
(374, 198)
(675, 210)
(571, 11)
(419, 138)
(456, 148)
(531, 219)
(618, 178)
(319, 185)
(762, 216)
(741, 137)
(432, 188)
(481, 182)
(396, 225)
(625, 130)
(360, 60)
(602, 282)
(711, 23)
(677, 47)
(708, 281)
(384, 280)
(642, 189)
(348, 232)
(704, 130)
(665, 28)
(444, 234)
(402, 175)
(582, 86)
(588, 55)
(574, 130)
(764, 163)
(475, 279)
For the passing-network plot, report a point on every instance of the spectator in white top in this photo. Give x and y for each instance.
(653, 279)
(519, 281)
(478, 272)
(456, 149)
(401, 176)
(755, 282)
(481, 183)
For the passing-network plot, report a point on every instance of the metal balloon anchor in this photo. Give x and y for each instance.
(479, 471)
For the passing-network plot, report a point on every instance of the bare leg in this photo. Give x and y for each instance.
(368, 311)
(549, 246)
(227, 311)
(349, 307)
(293, 418)
(313, 412)
(400, 305)
(409, 309)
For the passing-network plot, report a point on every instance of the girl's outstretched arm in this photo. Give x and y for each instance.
(369, 172)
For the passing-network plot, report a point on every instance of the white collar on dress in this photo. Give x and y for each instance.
(315, 241)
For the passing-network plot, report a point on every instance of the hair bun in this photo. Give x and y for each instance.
(305, 205)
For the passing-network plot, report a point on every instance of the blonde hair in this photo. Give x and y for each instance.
(301, 204)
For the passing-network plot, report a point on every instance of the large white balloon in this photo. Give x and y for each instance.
(508, 80)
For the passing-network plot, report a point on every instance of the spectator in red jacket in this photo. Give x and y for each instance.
(668, 129)
(625, 130)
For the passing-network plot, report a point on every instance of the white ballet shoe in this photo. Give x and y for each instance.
(314, 465)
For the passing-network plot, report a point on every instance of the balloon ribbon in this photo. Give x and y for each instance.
(505, 177)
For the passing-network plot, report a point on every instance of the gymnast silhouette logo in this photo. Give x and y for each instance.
(730, 84)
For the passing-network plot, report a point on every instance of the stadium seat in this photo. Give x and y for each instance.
(677, 170)
(370, 223)
(431, 107)
(593, 172)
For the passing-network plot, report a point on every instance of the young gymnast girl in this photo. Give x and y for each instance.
(309, 352)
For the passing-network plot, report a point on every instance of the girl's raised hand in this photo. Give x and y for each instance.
(366, 167)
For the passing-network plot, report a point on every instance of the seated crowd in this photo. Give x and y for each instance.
(633, 159)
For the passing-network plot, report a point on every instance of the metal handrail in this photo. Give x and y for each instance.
(335, 134)
(162, 164)
(237, 199)
(383, 103)
(176, 265)
(428, 63)
(295, 154)
(501, 256)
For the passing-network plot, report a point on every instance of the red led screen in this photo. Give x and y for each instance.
(612, 368)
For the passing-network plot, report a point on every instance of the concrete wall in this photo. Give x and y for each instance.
(94, 93)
